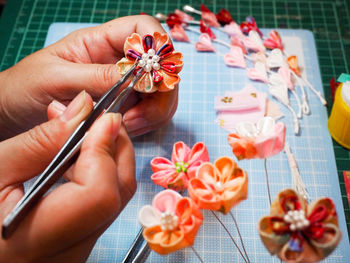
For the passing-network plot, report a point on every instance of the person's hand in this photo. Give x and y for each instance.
(84, 60)
(65, 224)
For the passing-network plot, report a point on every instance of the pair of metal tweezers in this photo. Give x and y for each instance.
(111, 101)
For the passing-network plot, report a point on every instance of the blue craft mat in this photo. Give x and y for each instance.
(204, 76)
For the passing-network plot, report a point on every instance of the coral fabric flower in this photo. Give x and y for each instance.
(171, 223)
(261, 141)
(293, 64)
(176, 173)
(155, 54)
(298, 232)
(220, 186)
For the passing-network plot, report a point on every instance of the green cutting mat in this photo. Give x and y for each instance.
(24, 25)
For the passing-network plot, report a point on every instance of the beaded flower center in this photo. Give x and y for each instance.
(168, 221)
(150, 61)
(297, 220)
(181, 167)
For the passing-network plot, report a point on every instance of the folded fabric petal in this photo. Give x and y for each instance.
(204, 44)
(239, 43)
(293, 64)
(171, 223)
(284, 72)
(234, 30)
(253, 42)
(224, 17)
(209, 17)
(179, 34)
(275, 59)
(258, 73)
(278, 88)
(183, 16)
(235, 58)
(262, 140)
(258, 57)
(248, 25)
(273, 41)
(298, 232)
(219, 187)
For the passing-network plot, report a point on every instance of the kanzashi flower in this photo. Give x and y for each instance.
(220, 186)
(261, 141)
(298, 232)
(176, 173)
(171, 223)
(155, 54)
(293, 64)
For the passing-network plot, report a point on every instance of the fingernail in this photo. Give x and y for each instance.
(58, 106)
(135, 124)
(117, 120)
(76, 106)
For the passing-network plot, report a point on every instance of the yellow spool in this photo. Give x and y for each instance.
(339, 121)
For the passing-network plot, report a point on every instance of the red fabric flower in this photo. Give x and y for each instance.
(205, 29)
(249, 25)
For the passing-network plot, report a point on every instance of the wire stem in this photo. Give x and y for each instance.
(228, 232)
(240, 236)
(197, 254)
(267, 181)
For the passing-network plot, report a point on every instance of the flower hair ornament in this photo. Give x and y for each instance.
(171, 223)
(263, 140)
(175, 173)
(156, 56)
(219, 187)
(299, 232)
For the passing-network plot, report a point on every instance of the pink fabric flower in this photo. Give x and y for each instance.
(219, 187)
(171, 223)
(176, 173)
(262, 140)
(204, 44)
(235, 58)
(233, 30)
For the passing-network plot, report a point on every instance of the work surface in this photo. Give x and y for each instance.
(203, 77)
(24, 27)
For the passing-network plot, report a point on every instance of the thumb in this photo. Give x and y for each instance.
(96, 79)
(27, 154)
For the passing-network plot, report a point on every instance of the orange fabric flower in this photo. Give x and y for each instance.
(171, 223)
(220, 186)
(155, 54)
(298, 232)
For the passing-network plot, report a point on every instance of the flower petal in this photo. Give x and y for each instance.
(242, 148)
(124, 65)
(166, 200)
(203, 195)
(148, 42)
(164, 177)
(161, 163)
(149, 216)
(199, 152)
(164, 242)
(134, 42)
(180, 152)
(169, 81)
(328, 204)
(160, 40)
(329, 241)
(207, 173)
(165, 50)
(145, 84)
(179, 182)
(176, 58)
(272, 242)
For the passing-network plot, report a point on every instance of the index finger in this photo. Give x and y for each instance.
(104, 44)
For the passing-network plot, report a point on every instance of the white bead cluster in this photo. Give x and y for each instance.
(150, 61)
(168, 221)
(297, 220)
